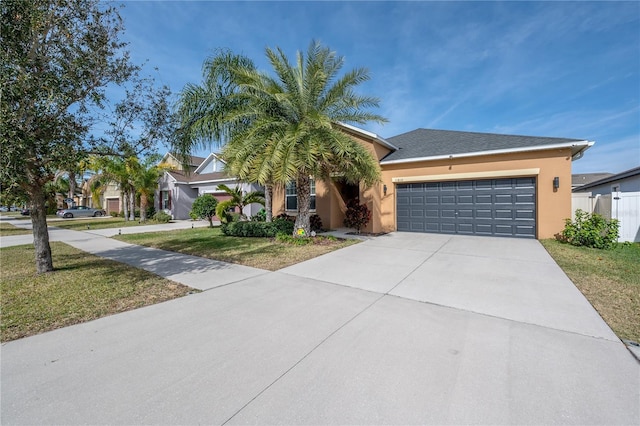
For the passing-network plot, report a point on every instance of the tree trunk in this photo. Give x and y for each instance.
(268, 195)
(303, 192)
(44, 262)
(132, 205)
(125, 206)
(143, 207)
(72, 185)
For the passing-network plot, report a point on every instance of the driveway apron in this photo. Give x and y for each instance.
(509, 278)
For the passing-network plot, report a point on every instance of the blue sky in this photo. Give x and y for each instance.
(564, 69)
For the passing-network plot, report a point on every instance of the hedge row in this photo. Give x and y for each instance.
(258, 229)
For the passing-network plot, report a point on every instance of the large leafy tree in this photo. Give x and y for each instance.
(58, 56)
(284, 127)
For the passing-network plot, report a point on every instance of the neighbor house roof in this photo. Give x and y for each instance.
(429, 144)
(622, 175)
(580, 179)
(180, 177)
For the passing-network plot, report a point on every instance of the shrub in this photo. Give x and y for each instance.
(290, 239)
(285, 216)
(151, 211)
(204, 207)
(283, 226)
(316, 222)
(257, 229)
(357, 215)
(591, 230)
(261, 216)
(162, 217)
(114, 214)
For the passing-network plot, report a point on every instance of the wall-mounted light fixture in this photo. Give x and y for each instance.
(556, 182)
(384, 189)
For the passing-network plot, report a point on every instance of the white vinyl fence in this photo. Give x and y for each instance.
(624, 206)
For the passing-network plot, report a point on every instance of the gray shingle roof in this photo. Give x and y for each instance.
(422, 143)
(180, 176)
(622, 175)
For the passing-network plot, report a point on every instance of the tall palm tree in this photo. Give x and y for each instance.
(283, 129)
(238, 199)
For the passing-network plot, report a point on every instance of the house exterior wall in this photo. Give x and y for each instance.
(182, 197)
(330, 205)
(110, 193)
(552, 206)
(250, 210)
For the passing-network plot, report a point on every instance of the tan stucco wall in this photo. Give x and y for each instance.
(552, 207)
(329, 204)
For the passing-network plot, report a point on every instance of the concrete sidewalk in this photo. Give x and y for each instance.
(326, 342)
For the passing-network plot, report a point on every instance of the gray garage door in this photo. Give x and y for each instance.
(497, 207)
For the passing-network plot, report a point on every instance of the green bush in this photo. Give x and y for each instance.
(162, 217)
(290, 239)
(114, 214)
(261, 216)
(591, 230)
(257, 229)
(151, 211)
(283, 226)
(204, 207)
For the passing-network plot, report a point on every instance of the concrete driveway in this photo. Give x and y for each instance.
(400, 329)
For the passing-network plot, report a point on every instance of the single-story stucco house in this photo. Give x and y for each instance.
(455, 182)
(177, 189)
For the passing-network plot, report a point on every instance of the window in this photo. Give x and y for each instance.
(291, 197)
(165, 200)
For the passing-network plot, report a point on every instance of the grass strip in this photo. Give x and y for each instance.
(82, 288)
(609, 279)
(82, 224)
(7, 230)
(211, 243)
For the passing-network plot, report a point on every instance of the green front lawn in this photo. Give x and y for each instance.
(82, 288)
(7, 230)
(91, 223)
(609, 279)
(263, 253)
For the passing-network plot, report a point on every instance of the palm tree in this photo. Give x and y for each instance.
(120, 171)
(284, 128)
(238, 199)
(145, 181)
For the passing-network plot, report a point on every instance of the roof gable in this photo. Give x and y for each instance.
(426, 144)
(205, 163)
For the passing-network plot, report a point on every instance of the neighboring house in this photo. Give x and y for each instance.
(615, 197)
(177, 188)
(579, 179)
(455, 182)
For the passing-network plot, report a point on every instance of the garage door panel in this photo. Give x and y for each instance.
(501, 207)
(525, 199)
(465, 199)
(503, 199)
(448, 199)
(484, 214)
(504, 214)
(525, 214)
(483, 199)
